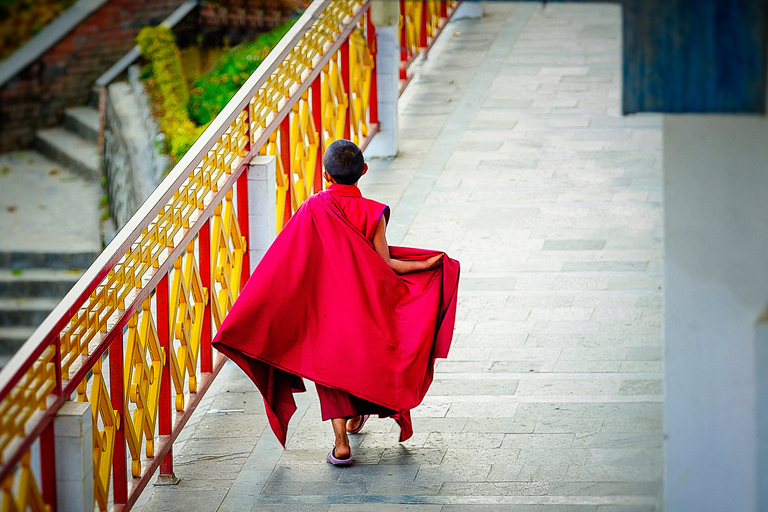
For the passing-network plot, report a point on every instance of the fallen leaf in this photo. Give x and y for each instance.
(5, 170)
(53, 172)
(12, 208)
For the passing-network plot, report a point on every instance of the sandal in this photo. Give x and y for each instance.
(359, 427)
(338, 462)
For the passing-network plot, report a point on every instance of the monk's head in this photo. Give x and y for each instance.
(344, 162)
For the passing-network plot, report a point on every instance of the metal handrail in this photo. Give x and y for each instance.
(148, 304)
(68, 347)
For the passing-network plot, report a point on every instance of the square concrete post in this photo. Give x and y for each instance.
(385, 17)
(262, 202)
(716, 311)
(74, 457)
(471, 10)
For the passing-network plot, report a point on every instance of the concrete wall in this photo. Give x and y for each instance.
(132, 160)
(716, 281)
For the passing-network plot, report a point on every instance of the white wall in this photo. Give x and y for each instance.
(716, 291)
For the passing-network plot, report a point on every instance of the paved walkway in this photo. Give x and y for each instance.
(515, 161)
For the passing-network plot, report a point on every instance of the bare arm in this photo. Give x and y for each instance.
(399, 266)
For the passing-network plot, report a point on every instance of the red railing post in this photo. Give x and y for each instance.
(242, 205)
(345, 79)
(48, 441)
(242, 219)
(285, 158)
(48, 465)
(116, 390)
(403, 43)
(373, 105)
(317, 117)
(443, 9)
(423, 28)
(204, 245)
(164, 423)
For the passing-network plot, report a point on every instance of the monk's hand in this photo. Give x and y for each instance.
(433, 261)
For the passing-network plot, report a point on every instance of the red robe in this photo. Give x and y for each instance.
(323, 305)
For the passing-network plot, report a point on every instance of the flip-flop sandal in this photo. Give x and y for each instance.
(338, 462)
(359, 427)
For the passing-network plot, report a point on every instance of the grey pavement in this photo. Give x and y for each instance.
(514, 160)
(46, 208)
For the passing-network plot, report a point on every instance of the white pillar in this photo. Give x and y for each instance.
(385, 17)
(262, 202)
(716, 300)
(468, 9)
(73, 426)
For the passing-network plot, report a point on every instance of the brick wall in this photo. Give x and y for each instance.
(254, 14)
(65, 74)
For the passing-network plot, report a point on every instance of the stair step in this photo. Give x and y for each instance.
(37, 282)
(74, 152)
(84, 121)
(25, 312)
(12, 338)
(52, 260)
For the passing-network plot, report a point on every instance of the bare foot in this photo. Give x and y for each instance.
(341, 448)
(354, 423)
(341, 451)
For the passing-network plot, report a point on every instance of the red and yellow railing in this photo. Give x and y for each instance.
(420, 24)
(133, 336)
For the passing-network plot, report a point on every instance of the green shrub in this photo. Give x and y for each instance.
(182, 116)
(211, 92)
(165, 83)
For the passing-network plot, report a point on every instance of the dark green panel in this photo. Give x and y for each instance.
(694, 56)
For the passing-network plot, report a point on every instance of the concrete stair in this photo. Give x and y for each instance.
(28, 292)
(74, 145)
(51, 233)
(84, 121)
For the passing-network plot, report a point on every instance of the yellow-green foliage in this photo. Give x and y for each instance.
(167, 89)
(22, 19)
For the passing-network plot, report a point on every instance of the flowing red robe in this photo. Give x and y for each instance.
(323, 305)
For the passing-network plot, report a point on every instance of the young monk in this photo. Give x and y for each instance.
(333, 303)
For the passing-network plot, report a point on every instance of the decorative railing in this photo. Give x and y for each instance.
(133, 336)
(420, 24)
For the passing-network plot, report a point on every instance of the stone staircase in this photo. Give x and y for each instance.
(53, 227)
(29, 291)
(74, 145)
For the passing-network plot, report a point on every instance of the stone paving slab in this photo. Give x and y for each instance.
(513, 159)
(46, 208)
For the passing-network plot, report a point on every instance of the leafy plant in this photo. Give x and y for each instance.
(211, 92)
(183, 116)
(167, 89)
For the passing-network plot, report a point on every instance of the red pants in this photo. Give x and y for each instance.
(335, 403)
